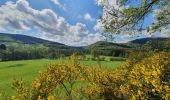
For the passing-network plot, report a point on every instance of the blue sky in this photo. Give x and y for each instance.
(72, 22)
(78, 17)
(74, 8)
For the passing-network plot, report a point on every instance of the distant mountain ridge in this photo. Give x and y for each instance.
(110, 43)
(27, 47)
(23, 39)
(143, 41)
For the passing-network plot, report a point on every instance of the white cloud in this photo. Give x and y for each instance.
(77, 35)
(99, 26)
(108, 3)
(57, 2)
(100, 2)
(19, 17)
(88, 17)
(110, 8)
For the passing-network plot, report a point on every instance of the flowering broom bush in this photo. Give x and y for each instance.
(145, 79)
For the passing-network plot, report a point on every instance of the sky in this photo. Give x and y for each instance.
(71, 22)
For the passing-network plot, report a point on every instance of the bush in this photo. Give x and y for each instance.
(98, 59)
(117, 59)
(145, 79)
(88, 59)
(133, 81)
(102, 58)
(93, 59)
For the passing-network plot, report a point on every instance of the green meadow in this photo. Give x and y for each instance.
(27, 70)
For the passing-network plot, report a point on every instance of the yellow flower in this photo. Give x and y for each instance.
(154, 73)
(154, 83)
(167, 89)
(153, 90)
(139, 92)
(14, 98)
(37, 85)
(50, 98)
(134, 82)
(39, 98)
(167, 96)
(133, 97)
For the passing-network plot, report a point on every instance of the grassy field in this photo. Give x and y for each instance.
(28, 69)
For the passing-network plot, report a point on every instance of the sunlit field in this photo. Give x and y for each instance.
(27, 70)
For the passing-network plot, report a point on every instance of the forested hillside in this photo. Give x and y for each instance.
(17, 47)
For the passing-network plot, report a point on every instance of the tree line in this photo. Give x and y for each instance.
(12, 53)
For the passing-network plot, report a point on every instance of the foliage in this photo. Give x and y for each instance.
(144, 79)
(133, 81)
(130, 15)
(117, 59)
(57, 75)
(30, 52)
(109, 49)
(2, 47)
(22, 54)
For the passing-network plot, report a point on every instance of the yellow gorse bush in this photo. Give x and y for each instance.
(142, 80)
(145, 79)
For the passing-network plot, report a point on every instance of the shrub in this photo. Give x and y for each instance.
(102, 58)
(93, 59)
(133, 81)
(98, 59)
(117, 59)
(145, 79)
(88, 59)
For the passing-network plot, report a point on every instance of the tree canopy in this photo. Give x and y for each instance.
(129, 15)
(2, 47)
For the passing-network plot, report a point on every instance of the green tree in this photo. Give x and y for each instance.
(130, 15)
(2, 47)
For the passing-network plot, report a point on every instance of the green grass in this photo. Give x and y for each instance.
(106, 58)
(28, 69)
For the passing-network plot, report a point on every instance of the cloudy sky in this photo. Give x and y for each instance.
(72, 22)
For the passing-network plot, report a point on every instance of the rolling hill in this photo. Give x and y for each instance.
(23, 39)
(17, 40)
(143, 41)
(138, 43)
(149, 44)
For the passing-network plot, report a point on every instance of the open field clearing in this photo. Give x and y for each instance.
(28, 69)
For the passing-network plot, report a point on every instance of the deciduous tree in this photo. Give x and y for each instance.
(130, 15)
